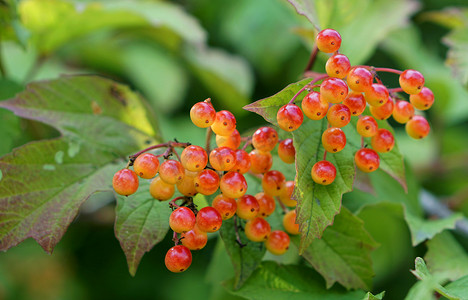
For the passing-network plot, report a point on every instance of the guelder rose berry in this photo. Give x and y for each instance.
(289, 117)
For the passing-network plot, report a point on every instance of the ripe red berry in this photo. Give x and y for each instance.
(242, 162)
(161, 190)
(333, 90)
(260, 162)
(289, 117)
(187, 186)
(277, 242)
(232, 141)
(247, 207)
(314, 106)
(423, 100)
(202, 114)
(194, 158)
(286, 196)
(182, 219)
(224, 124)
(233, 184)
(333, 139)
(383, 141)
(178, 259)
(356, 103)
(323, 172)
(339, 115)
(223, 158)
(402, 111)
(265, 139)
(146, 165)
(125, 182)
(367, 126)
(383, 112)
(206, 182)
(377, 95)
(273, 182)
(411, 81)
(286, 151)
(359, 79)
(209, 219)
(338, 66)
(417, 127)
(194, 239)
(267, 204)
(289, 222)
(367, 160)
(171, 171)
(328, 40)
(257, 230)
(226, 207)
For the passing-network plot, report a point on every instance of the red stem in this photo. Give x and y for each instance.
(309, 85)
(168, 144)
(389, 70)
(325, 155)
(313, 56)
(283, 207)
(395, 90)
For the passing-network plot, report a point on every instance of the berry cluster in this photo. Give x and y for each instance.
(195, 171)
(345, 91)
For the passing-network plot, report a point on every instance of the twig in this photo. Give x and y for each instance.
(209, 132)
(313, 57)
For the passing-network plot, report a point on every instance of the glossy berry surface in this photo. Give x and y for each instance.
(233, 185)
(359, 79)
(242, 162)
(338, 66)
(146, 165)
(125, 182)
(257, 229)
(417, 127)
(323, 172)
(289, 117)
(194, 158)
(267, 204)
(423, 100)
(328, 40)
(286, 196)
(232, 141)
(182, 219)
(171, 171)
(314, 106)
(383, 112)
(383, 141)
(411, 81)
(403, 111)
(206, 182)
(224, 124)
(247, 207)
(286, 151)
(356, 103)
(222, 158)
(289, 223)
(265, 139)
(277, 242)
(367, 160)
(202, 114)
(194, 239)
(161, 190)
(339, 115)
(273, 182)
(367, 126)
(377, 95)
(226, 207)
(178, 259)
(333, 90)
(260, 162)
(333, 140)
(187, 186)
(209, 219)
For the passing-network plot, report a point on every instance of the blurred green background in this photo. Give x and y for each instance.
(177, 53)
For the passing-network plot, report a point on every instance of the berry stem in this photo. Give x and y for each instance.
(168, 144)
(389, 70)
(283, 207)
(247, 143)
(325, 155)
(209, 133)
(362, 142)
(175, 238)
(307, 86)
(238, 239)
(172, 203)
(395, 90)
(313, 57)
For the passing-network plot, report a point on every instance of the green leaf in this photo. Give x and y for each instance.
(141, 222)
(422, 229)
(307, 9)
(11, 131)
(369, 296)
(274, 281)
(343, 253)
(244, 259)
(457, 57)
(44, 183)
(459, 288)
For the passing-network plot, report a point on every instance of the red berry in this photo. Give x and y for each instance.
(257, 230)
(289, 117)
(242, 162)
(206, 182)
(264, 139)
(411, 81)
(333, 139)
(273, 182)
(223, 158)
(277, 242)
(286, 151)
(146, 165)
(260, 162)
(202, 114)
(161, 190)
(125, 182)
(226, 207)
(233, 185)
(182, 219)
(286, 196)
(224, 124)
(194, 158)
(367, 160)
(356, 103)
(339, 115)
(383, 141)
(383, 112)
(247, 207)
(209, 219)
(289, 223)
(194, 239)
(232, 141)
(403, 111)
(187, 186)
(328, 40)
(323, 172)
(333, 90)
(171, 171)
(178, 259)
(359, 79)
(417, 127)
(367, 126)
(377, 95)
(423, 100)
(338, 66)
(267, 204)
(314, 106)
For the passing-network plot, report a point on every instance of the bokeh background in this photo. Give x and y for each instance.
(177, 53)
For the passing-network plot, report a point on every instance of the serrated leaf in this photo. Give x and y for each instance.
(141, 222)
(343, 253)
(244, 259)
(44, 183)
(275, 281)
(457, 57)
(307, 9)
(422, 229)
(369, 296)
